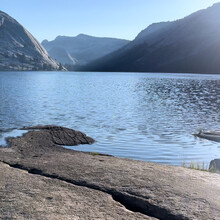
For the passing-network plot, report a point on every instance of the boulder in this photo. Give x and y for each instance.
(215, 165)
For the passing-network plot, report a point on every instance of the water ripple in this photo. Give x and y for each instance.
(147, 117)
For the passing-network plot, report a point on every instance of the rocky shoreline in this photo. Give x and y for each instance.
(42, 180)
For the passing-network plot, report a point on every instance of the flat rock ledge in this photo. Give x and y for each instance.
(39, 179)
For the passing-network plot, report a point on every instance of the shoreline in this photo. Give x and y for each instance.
(140, 190)
(19, 132)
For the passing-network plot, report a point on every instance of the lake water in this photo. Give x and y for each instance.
(148, 117)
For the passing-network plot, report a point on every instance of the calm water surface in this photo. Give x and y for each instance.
(148, 117)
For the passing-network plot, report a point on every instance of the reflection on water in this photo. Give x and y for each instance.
(141, 116)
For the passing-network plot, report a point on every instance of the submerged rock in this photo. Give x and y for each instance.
(209, 135)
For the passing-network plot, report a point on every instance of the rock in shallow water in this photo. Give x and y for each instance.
(64, 136)
(209, 135)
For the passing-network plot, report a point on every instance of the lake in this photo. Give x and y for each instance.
(148, 117)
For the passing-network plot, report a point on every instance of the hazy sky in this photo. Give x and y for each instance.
(46, 19)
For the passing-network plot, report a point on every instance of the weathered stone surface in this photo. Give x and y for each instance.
(27, 196)
(215, 165)
(163, 192)
(64, 136)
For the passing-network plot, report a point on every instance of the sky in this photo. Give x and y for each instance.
(46, 19)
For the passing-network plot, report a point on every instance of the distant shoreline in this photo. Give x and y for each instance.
(194, 73)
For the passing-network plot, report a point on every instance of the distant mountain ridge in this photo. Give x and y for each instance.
(81, 49)
(19, 50)
(191, 44)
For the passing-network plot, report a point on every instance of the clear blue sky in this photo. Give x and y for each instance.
(46, 19)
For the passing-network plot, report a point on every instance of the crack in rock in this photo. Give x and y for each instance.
(130, 202)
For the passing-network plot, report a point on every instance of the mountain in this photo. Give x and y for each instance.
(19, 50)
(81, 49)
(62, 56)
(191, 44)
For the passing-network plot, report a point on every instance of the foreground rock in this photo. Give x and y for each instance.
(27, 196)
(163, 192)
